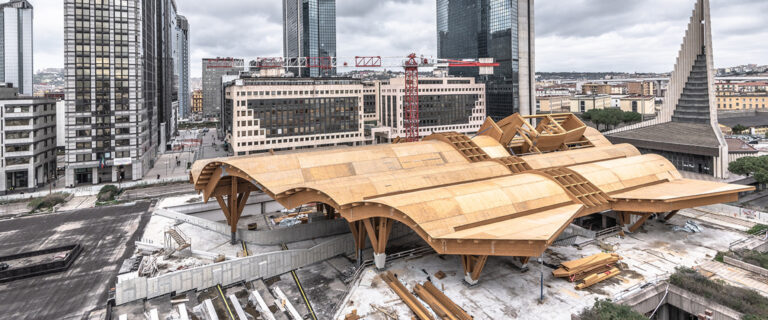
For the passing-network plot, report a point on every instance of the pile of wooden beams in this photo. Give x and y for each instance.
(441, 305)
(589, 270)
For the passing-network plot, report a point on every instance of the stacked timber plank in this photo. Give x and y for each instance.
(589, 270)
(441, 305)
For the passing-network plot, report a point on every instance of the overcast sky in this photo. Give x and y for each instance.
(572, 35)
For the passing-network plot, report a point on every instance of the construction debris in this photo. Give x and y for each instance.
(690, 227)
(597, 277)
(443, 306)
(421, 312)
(440, 275)
(590, 270)
(352, 315)
(387, 314)
(292, 218)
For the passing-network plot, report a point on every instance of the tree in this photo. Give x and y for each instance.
(761, 176)
(631, 117)
(742, 166)
(755, 166)
(738, 129)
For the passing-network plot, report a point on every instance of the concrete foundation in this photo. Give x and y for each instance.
(468, 279)
(380, 260)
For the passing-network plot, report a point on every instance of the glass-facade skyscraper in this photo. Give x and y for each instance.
(500, 29)
(119, 87)
(16, 45)
(309, 30)
(182, 66)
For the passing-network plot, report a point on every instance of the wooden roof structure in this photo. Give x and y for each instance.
(510, 191)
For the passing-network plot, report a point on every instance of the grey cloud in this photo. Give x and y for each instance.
(583, 35)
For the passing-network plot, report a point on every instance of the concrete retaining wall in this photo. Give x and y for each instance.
(263, 265)
(738, 212)
(301, 232)
(646, 301)
(243, 269)
(745, 266)
(270, 205)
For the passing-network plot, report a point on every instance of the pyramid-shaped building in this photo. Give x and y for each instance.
(686, 130)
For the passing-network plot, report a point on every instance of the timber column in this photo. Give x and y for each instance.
(473, 265)
(233, 206)
(358, 233)
(378, 230)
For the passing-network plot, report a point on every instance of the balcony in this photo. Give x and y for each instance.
(28, 140)
(19, 115)
(20, 154)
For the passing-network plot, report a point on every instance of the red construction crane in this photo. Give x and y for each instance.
(411, 66)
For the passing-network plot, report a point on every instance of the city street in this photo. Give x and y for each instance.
(166, 165)
(106, 234)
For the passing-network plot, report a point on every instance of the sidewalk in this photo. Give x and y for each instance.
(165, 166)
(93, 189)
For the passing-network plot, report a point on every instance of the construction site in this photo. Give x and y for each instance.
(519, 221)
(531, 217)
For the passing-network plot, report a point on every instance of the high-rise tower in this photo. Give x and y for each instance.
(309, 30)
(686, 130)
(111, 93)
(182, 66)
(16, 45)
(499, 29)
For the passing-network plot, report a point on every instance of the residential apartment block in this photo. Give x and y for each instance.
(641, 88)
(595, 89)
(553, 104)
(731, 100)
(197, 102)
(584, 103)
(645, 105)
(28, 144)
(16, 56)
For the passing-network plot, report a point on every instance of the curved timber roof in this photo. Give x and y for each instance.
(468, 196)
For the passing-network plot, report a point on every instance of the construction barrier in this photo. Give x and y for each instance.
(300, 232)
(242, 269)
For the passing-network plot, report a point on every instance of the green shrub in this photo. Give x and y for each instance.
(607, 310)
(719, 256)
(749, 302)
(48, 201)
(753, 257)
(757, 229)
(108, 193)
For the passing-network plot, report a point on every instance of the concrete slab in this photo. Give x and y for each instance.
(504, 292)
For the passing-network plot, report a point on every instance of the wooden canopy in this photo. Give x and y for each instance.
(473, 197)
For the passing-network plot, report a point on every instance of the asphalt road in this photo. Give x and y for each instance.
(107, 235)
